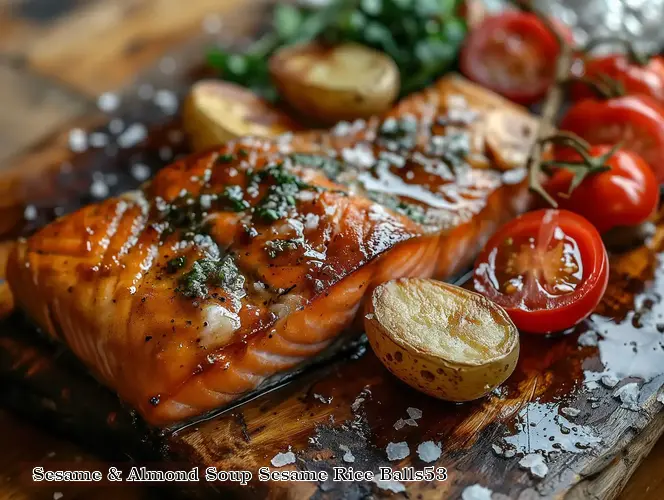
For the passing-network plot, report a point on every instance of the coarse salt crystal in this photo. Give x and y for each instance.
(30, 212)
(535, 463)
(397, 451)
(140, 171)
(108, 102)
(411, 422)
(660, 397)
(414, 412)
(78, 140)
(167, 101)
(587, 339)
(135, 134)
(348, 456)
(428, 451)
(570, 412)
(610, 380)
(281, 459)
(57, 495)
(476, 492)
(399, 424)
(393, 486)
(116, 126)
(323, 399)
(497, 449)
(99, 189)
(98, 139)
(628, 395)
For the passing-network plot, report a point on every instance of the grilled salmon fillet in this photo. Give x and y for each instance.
(235, 265)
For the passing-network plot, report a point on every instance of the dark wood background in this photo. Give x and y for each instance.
(56, 58)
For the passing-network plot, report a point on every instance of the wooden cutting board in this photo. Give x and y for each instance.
(348, 404)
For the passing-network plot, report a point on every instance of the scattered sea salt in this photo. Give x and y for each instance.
(57, 495)
(397, 451)
(30, 212)
(393, 486)
(99, 189)
(281, 459)
(369, 316)
(323, 399)
(140, 172)
(628, 395)
(116, 126)
(660, 397)
(108, 102)
(588, 339)
(78, 140)
(610, 380)
(133, 135)
(535, 463)
(145, 91)
(570, 412)
(509, 453)
(348, 456)
(399, 424)
(360, 155)
(476, 492)
(98, 139)
(411, 422)
(497, 449)
(414, 413)
(167, 101)
(428, 451)
(361, 397)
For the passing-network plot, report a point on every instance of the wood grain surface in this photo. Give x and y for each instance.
(55, 58)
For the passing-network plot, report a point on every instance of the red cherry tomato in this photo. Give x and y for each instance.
(646, 79)
(548, 269)
(512, 53)
(625, 195)
(635, 121)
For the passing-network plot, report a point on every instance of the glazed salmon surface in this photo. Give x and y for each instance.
(236, 265)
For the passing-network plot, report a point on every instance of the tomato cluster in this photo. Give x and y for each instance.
(549, 268)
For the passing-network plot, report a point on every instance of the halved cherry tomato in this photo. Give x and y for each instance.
(548, 269)
(635, 78)
(625, 195)
(512, 53)
(637, 122)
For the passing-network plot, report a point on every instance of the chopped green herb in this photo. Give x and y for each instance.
(208, 272)
(225, 158)
(175, 264)
(415, 212)
(275, 247)
(234, 198)
(330, 167)
(243, 152)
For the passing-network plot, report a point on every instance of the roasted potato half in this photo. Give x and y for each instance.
(216, 112)
(329, 84)
(443, 340)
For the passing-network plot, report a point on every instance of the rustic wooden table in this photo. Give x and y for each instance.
(56, 58)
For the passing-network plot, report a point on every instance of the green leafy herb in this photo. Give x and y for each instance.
(329, 166)
(175, 264)
(234, 198)
(275, 247)
(415, 212)
(422, 36)
(209, 272)
(224, 158)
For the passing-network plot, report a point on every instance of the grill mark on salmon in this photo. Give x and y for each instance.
(232, 266)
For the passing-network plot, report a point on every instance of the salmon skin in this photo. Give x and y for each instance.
(235, 265)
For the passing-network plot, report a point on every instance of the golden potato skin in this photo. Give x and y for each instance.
(431, 372)
(215, 112)
(330, 84)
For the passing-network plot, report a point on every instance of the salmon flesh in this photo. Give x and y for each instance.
(236, 265)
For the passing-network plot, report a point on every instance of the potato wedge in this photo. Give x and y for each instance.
(330, 84)
(509, 137)
(215, 112)
(443, 340)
